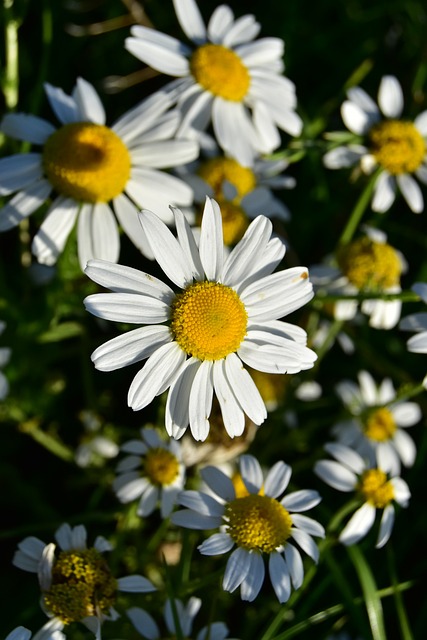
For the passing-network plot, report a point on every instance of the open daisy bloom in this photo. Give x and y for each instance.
(417, 322)
(88, 165)
(370, 265)
(76, 583)
(257, 522)
(148, 628)
(152, 471)
(350, 472)
(383, 140)
(225, 78)
(377, 429)
(196, 341)
(50, 631)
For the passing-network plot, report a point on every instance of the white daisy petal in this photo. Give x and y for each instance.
(29, 554)
(211, 241)
(88, 102)
(138, 121)
(143, 623)
(405, 447)
(219, 23)
(277, 479)
(50, 239)
(358, 525)
(63, 105)
(251, 473)
(301, 500)
(254, 578)
(219, 482)
(127, 307)
(123, 279)
(363, 100)
(386, 526)
(148, 501)
(294, 563)
(237, 569)
(23, 204)
(159, 51)
(406, 414)
(401, 491)
(310, 526)
(390, 97)
(279, 576)
(355, 118)
(341, 157)
(254, 241)
(243, 29)
(190, 19)
(216, 545)
(177, 404)
(188, 244)
(411, 192)
(231, 411)
(421, 123)
(127, 215)
(130, 347)
(201, 503)
(335, 475)
(19, 171)
(245, 389)
(26, 127)
(200, 401)
(191, 520)
(346, 456)
(306, 543)
(135, 584)
(384, 193)
(106, 241)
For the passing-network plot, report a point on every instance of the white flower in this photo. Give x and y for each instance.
(366, 265)
(153, 471)
(255, 523)
(349, 472)
(148, 628)
(50, 631)
(225, 316)
(377, 429)
(417, 322)
(225, 77)
(87, 165)
(397, 147)
(5, 353)
(81, 587)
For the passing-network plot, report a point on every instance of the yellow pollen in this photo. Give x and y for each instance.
(240, 487)
(161, 466)
(216, 170)
(220, 71)
(208, 320)
(82, 585)
(376, 489)
(87, 162)
(380, 425)
(258, 522)
(397, 146)
(370, 265)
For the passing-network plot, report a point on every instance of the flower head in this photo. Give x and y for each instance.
(76, 582)
(256, 522)
(196, 341)
(397, 147)
(88, 166)
(372, 485)
(153, 471)
(377, 428)
(49, 631)
(417, 322)
(225, 77)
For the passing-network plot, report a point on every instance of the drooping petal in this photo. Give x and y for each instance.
(231, 411)
(411, 192)
(358, 525)
(19, 171)
(200, 401)
(252, 583)
(294, 563)
(245, 389)
(237, 569)
(177, 405)
(130, 347)
(23, 204)
(384, 193)
(279, 576)
(50, 239)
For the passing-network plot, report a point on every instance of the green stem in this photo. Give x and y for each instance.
(49, 442)
(11, 75)
(358, 211)
(398, 600)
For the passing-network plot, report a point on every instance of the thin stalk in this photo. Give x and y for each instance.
(11, 74)
(358, 211)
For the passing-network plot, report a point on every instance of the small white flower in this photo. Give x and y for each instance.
(257, 523)
(88, 165)
(383, 140)
(417, 322)
(226, 78)
(350, 472)
(148, 628)
(377, 429)
(197, 341)
(153, 471)
(76, 583)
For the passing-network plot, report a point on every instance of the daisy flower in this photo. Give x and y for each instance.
(366, 265)
(89, 165)
(382, 140)
(50, 631)
(226, 77)
(153, 471)
(196, 341)
(4, 359)
(148, 628)
(350, 472)
(256, 523)
(377, 428)
(417, 322)
(76, 583)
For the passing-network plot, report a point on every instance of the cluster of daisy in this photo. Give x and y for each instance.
(188, 176)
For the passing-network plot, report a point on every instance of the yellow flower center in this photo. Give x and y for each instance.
(82, 585)
(234, 222)
(161, 466)
(220, 71)
(397, 146)
(258, 522)
(87, 162)
(216, 170)
(208, 320)
(370, 265)
(380, 425)
(240, 487)
(376, 489)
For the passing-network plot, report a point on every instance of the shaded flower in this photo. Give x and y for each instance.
(50, 631)
(417, 322)
(5, 353)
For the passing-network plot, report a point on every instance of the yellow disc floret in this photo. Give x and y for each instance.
(220, 71)
(258, 523)
(82, 586)
(370, 265)
(208, 320)
(87, 162)
(380, 425)
(240, 487)
(376, 489)
(216, 170)
(161, 466)
(397, 146)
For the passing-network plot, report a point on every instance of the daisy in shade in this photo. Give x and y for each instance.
(256, 521)
(225, 77)
(376, 490)
(76, 582)
(417, 322)
(366, 265)
(198, 340)
(93, 170)
(49, 631)
(153, 471)
(148, 628)
(383, 140)
(378, 423)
